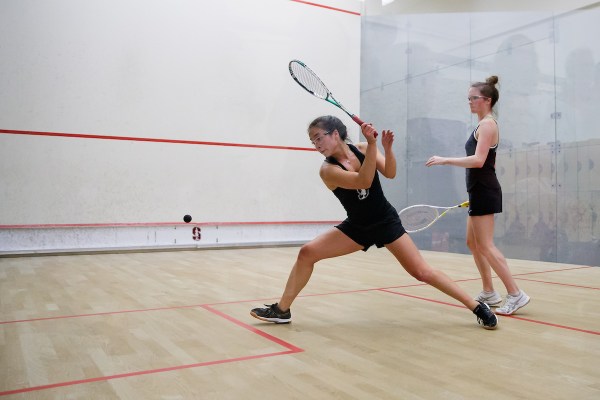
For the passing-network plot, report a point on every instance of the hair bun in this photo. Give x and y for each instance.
(492, 80)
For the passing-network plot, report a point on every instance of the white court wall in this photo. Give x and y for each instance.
(129, 114)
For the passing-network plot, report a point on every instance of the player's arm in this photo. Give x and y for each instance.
(333, 176)
(386, 162)
(486, 132)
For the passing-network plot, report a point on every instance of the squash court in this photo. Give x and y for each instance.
(118, 119)
(176, 325)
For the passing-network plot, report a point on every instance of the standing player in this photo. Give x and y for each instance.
(350, 172)
(485, 197)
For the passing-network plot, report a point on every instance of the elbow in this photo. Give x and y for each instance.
(388, 170)
(365, 183)
(478, 163)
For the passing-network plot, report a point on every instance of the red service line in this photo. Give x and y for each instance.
(327, 7)
(154, 140)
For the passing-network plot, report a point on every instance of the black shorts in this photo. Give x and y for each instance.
(484, 200)
(378, 234)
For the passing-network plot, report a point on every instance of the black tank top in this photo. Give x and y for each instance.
(363, 206)
(485, 175)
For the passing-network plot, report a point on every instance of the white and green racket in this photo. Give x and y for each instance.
(308, 80)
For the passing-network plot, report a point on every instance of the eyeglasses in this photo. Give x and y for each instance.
(318, 138)
(473, 98)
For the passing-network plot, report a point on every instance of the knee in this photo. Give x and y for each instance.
(424, 275)
(307, 254)
(471, 244)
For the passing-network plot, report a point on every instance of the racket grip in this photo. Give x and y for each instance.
(359, 121)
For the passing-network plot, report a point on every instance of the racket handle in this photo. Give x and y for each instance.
(359, 121)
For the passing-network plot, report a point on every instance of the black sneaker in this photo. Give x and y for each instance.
(485, 316)
(272, 313)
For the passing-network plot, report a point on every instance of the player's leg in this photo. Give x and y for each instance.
(409, 256)
(483, 228)
(332, 243)
(488, 295)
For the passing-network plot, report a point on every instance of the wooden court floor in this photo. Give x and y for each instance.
(176, 325)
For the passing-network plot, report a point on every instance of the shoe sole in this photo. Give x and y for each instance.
(274, 320)
(496, 304)
(515, 310)
(491, 328)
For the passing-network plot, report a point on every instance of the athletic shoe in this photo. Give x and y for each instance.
(513, 303)
(490, 298)
(485, 316)
(272, 313)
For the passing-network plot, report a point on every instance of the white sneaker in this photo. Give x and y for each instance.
(490, 298)
(513, 303)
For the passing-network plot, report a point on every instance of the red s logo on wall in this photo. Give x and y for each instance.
(196, 233)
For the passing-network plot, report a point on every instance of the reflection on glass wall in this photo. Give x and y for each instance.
(416, 71)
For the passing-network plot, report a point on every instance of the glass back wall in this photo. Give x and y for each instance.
(415, 74)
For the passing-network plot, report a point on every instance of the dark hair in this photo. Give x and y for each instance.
(488, 88)
(330, 123)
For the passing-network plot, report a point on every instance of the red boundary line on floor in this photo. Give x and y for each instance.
(558, 283)
(291, 348)
(535, 321)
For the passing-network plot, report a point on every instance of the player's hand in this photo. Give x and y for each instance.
(369, 133)
(387, 139)
(436, 160)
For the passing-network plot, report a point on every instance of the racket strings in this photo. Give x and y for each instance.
(418, 217)
(309, 80)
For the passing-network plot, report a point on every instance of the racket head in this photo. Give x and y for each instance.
(421, 216)
(310, 81)
(306, 78)
(418, 217)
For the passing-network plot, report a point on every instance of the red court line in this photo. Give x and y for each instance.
(535, 321)
(141, 224)
(327, 7)
(558, 283)
(554, 270)
(153, 140)
(98, 314)
(422, 298)
(291, 350)
(289, 346)
(139, 373)
(551, 324)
